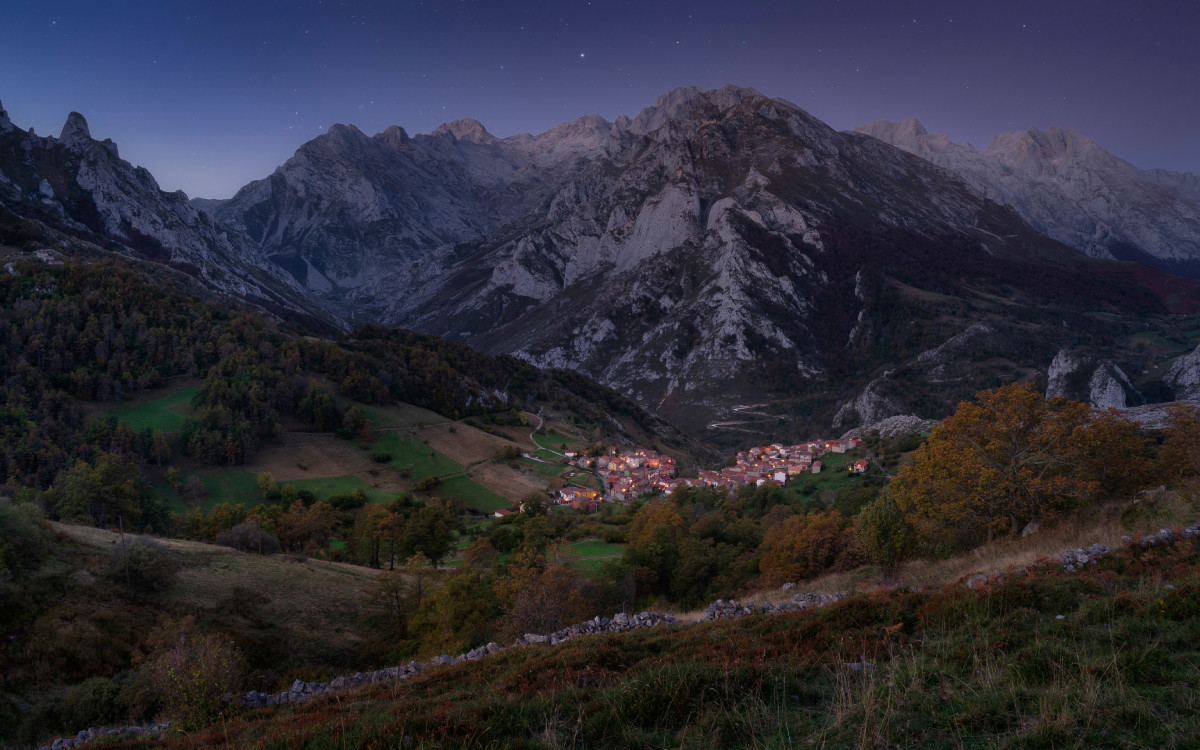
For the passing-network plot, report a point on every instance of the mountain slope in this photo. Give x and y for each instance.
(81, 187)
(729, 247)
(1069, 188)
(348, 206)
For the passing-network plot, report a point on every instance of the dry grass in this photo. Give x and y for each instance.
(462, 443)
(317, 601)
(507, 481)
(325, 456)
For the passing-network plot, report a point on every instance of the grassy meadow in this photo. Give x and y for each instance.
(165, 413)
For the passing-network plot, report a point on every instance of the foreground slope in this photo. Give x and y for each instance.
(1039, 657)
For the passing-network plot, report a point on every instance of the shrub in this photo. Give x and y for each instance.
(92, 702)
(426, 484)
(190, 673)
(248, 537)
(142, 564)
(356, 499)
(381, 457)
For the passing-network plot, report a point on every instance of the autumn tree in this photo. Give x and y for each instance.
(1180, 456)
(885, 535)
(652, 544)
(995, 464)
(802, 547)
(107, 489)
(540, 593)
(1110, 449)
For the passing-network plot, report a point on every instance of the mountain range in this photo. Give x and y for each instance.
(727, 259)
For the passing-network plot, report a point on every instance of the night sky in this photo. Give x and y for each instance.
(211, 95)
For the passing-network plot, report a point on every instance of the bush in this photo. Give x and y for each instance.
(190, 672)
(381, 457)
(143, 564)
(25, 538)
(356, 499)
(426, 484)
(92, 702)
(248, 537)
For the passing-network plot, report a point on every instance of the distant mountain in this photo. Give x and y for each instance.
(1069, 188)
(725, 258)
(348, 207)
(80, 186)
(721, 247)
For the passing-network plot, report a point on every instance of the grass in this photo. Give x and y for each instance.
(164, 413)
(1107, 657)
(423, 461)
(543, 469)
(298, 609)
(553, 441)
(326, 487)
(235, 486)
(592, 554)
(231, 486)
(473, 495)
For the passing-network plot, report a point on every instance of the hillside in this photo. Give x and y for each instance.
(1038, 657)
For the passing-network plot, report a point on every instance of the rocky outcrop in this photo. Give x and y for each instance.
(1184, 376)
(1100, 384)
(1070, 188)
(723, 610)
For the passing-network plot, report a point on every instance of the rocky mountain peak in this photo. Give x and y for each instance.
(394, 136)
(75, 132)
(672, 104)
(6, 125)
(467, 129)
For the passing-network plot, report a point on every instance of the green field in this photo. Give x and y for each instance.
(473, 495)
(164, 413)
(597, 548)
(593, 553)
(543, 469)
(327, 487)
(553, 442)
(412, 453)
(228, 486)
(235, 486)
(400, 415)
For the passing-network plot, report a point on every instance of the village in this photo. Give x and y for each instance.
(625, 475)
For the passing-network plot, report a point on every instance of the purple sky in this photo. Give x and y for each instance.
(215, 95)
